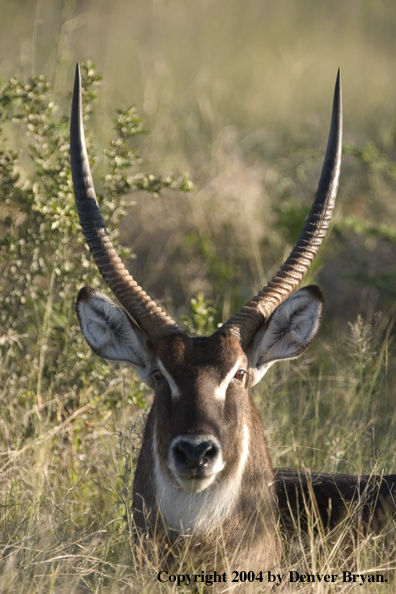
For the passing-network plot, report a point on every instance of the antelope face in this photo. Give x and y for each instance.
(202, 408)
(200, 402)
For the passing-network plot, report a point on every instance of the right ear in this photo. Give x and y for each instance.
(111, 333)
(288, 332)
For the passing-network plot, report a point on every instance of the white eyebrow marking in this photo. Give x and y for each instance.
(172, 384)
(220, 391)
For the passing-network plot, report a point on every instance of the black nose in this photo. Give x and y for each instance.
(191, 455)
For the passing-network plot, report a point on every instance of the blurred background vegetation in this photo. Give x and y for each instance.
(238, 96)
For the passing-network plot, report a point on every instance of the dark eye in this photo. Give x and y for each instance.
(158, 377)
(240, 374)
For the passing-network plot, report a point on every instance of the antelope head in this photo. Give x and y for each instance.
(203, 451)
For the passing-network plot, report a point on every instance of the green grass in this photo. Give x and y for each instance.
(239, 95)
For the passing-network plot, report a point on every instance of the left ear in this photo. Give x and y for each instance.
(288, 332)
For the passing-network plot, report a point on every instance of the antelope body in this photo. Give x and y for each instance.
(204, 471)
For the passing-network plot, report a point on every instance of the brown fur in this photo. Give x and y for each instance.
(247, 536)
(331, 499)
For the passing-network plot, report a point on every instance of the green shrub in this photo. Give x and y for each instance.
(45, 363)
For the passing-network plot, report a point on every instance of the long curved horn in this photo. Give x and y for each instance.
(148, 315)
(249, 318)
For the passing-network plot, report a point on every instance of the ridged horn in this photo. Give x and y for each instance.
(145, 312)
(245, 323)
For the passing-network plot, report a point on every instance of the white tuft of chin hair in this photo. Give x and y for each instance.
(192, 512)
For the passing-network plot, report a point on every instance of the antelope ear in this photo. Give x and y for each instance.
(288, 332)
(111, 333)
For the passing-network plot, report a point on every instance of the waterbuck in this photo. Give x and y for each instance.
(204, 472)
